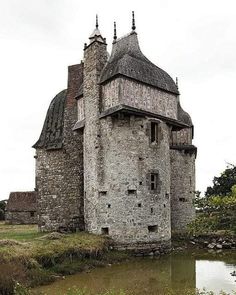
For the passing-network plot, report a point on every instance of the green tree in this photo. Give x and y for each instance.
(2, 210)
(222, 185)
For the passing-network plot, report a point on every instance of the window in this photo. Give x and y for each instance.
(105, 231)
(139, 205)
(102, 193)
(154, 132)
(153, 181)
(131, 191)
(32, 214)
(182, 200)
(152, 228)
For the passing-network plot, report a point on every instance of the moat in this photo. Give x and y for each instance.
(178, 271)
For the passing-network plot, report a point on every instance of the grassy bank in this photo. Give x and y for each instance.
(33, 258)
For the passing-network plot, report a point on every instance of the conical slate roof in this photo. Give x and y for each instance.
(52, 133)
(128, 60)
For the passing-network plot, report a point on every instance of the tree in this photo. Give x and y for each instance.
(2, 210)
(222, 185)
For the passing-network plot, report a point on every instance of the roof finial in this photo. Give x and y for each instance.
(115, 36)
(96, 21)
(133, 21)
(177, 83)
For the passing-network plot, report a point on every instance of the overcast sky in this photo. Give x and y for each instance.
(194, 40)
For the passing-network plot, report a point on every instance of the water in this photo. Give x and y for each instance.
(153, 275)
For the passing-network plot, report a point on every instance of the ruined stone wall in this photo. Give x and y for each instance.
(126, 205)
(59, 173)
(138, 95)
(21, 217)
(182, 189)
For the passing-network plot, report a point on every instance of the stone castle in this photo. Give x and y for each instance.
(115, 154)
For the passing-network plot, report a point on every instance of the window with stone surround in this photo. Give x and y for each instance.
(153, 181)
(154, 133)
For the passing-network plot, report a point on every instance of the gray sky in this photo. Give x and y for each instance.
(194, 40)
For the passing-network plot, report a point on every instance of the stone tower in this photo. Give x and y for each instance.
(115, 155)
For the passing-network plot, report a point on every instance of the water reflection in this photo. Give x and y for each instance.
(152, 276)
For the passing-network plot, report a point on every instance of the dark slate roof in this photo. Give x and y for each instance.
(128, 60)
(52, 133)
(184, 116)
(22, 201)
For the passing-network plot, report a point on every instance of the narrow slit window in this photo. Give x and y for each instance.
(153, 181)
(154, 132)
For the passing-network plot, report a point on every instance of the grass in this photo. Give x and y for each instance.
(19, 232)
(32, 258)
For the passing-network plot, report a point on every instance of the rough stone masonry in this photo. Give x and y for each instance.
(115, 154)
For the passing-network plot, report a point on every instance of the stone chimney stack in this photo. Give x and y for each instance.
(95, 57)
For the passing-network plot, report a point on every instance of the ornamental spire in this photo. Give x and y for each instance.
(96, 21)
(96, 34)
(177, 83)
(133, 22)
(115, 36)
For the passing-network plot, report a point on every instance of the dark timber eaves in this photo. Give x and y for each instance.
(177, 125)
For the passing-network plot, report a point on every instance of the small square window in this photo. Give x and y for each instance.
(108, 205)
(182, 200)
(102, 193)
(152, 228)
(139, 205)
(105, 230)
(154, 132)
(32, 214)
(131, 191)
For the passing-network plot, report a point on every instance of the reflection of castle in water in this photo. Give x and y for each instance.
(177, 272)
(183, 271)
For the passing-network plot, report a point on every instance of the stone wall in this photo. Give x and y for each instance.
(126, 205)
(59, 173)
(23, 217)
(182, 188)
(138, 95)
